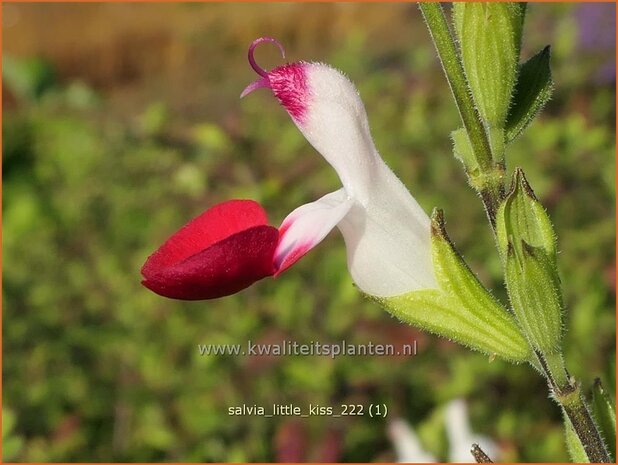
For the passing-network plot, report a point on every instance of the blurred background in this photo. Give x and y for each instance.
(122, 122)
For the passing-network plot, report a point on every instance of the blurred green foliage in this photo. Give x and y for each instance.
(97, 368)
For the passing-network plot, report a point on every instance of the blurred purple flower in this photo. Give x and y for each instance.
(597, 25)
(597, 32)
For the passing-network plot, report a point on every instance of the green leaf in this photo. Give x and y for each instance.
(532, 91)
(461, 309)
(480, 179)
(489, 38)
(605, 414)
(463, 151)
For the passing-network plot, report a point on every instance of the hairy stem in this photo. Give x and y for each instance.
(489, 184)
(578, 413)
(493, 192)
(567, 392)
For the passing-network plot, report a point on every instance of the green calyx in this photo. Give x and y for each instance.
(461, 309)
(521, 217)
(528, 247)
(489, 36)
(534, 289)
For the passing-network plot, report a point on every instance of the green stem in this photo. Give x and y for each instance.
(447, 51)
(577, 411)
(567, 392)
(489, 184)
(492, 194)
(553, 365)
(493, 191)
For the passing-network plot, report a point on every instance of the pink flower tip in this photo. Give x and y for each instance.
(288, 82)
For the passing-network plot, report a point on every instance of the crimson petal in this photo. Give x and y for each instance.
(224, 250)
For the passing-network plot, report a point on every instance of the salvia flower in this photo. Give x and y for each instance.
(386, 232)
(396, 255)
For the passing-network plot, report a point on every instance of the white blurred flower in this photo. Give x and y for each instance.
(460, 435)
(407, 445)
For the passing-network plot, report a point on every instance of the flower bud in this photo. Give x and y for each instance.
(528, 245)
(489, 35)
(534, 289)
(521, 217)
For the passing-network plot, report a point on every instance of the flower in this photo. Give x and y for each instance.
(460, 435)
(409, 448)
(386, 232)
(407, 444)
